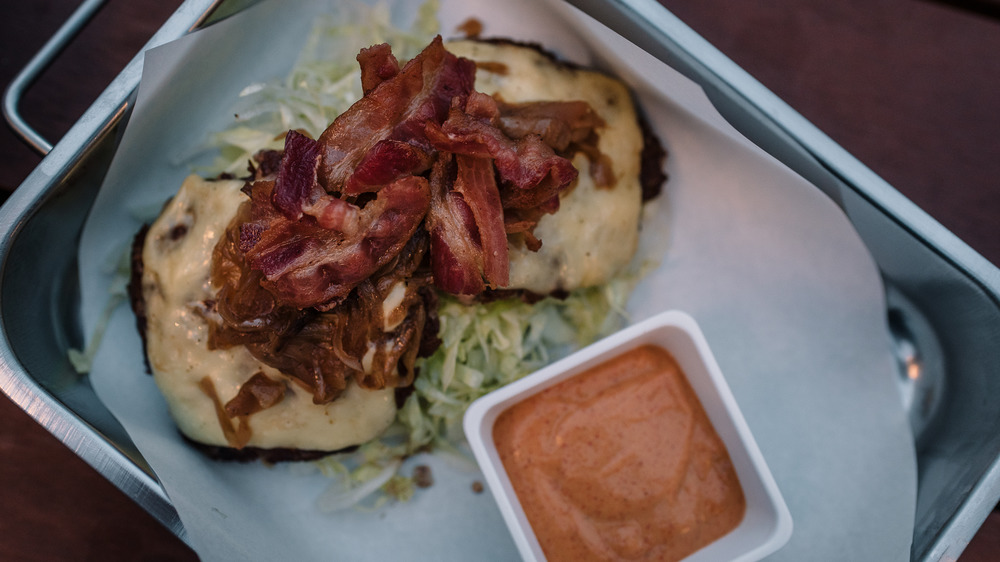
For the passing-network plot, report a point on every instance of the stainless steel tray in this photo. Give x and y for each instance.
(944, 299)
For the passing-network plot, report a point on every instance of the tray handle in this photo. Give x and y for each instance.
(38, 63)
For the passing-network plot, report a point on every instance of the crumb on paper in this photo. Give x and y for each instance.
(422, 476)
(472, 28)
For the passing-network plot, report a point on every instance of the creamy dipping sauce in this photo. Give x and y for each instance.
(620, 463)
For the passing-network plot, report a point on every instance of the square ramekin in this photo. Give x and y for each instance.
(767, 523)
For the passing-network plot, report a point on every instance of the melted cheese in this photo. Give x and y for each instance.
(595, 233)
(177, 259)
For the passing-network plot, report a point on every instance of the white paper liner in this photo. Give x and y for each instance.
(783, 288)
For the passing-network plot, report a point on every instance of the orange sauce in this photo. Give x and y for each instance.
(620, 463)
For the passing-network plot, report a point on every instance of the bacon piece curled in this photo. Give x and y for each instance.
(393, 110)
(307, 265)
(566, 126)
(297, 192)
(534, 173)
(378, 64)
(558, 123)
(456, 246)
(296, 181)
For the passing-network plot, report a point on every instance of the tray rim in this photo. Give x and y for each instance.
(97, 122)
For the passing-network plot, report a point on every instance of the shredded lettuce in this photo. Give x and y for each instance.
(324, 81)
(486, 346)
(118, 265)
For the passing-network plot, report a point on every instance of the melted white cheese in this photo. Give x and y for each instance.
(595, 233)
(175, 284)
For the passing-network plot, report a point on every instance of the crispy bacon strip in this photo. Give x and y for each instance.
(456, 247)
(566, 126)
(532, 170)
(385, 162)
(296, 181)
(297, 191)
(532, 174)
(476, 183)
(313, 248)
(307, 265)
(468, 240)
(394, 110)
(378, 64)
(558, 123)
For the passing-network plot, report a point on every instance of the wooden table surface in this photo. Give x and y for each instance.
(908, 86)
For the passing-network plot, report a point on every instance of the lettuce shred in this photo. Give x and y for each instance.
(82, 359)
(324, 81)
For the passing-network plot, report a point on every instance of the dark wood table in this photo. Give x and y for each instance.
(908, 86)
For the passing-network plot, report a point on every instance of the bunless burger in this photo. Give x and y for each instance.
(282, 314)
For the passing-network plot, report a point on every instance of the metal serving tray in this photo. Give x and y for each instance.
(944, 299)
